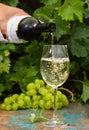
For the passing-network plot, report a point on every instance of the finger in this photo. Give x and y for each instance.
(3, 28)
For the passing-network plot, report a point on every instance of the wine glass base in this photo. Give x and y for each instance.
(55, 123)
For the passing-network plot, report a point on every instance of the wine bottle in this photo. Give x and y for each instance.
(23, 28)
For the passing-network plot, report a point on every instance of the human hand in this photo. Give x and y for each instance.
(7, 12)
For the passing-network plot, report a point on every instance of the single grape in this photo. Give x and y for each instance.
(31, 92)
(48, 105)
(64, 100)
(37, 86)
(30, 86)
(3, 106)
(48, 87)
(39, 81)
(28, 105)
(21, 96)
(7, 100)
(35, 104)
(15, 106)
(43, 91)
(39, 97)
(8, 107)
(36, 97)
(42, 83)
(14, 97)
(59, 105)
(52, 100)
(51, 90)
(41, 103)
(27, 99)
(59, 93)
(58, 96)
(48, 97)
(21, 103)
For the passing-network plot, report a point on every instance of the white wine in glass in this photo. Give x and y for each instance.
(54, 67)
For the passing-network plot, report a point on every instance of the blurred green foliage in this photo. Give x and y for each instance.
(20, 64)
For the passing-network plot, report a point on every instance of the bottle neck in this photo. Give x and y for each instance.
(45, 27)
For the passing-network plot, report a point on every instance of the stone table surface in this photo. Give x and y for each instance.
(75, 114)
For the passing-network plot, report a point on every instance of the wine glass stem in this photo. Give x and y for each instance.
(55, 109)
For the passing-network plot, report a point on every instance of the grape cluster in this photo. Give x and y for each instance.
(37, 95)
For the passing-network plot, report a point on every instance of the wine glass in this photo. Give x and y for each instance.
(54, 67)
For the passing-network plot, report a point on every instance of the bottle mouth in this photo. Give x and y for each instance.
(52, 27)
(45, 27)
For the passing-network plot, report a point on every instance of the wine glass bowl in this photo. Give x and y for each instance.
(54, 67)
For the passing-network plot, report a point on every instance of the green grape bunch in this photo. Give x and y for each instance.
(37, 95)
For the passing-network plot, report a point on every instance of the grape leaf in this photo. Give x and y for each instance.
(80, 31)
(79, 40)
(85, 91)
(62, 27)
(78, 49)
(84, 63)
(32, 71)
(24, 73)
(5, 65)
(48, 14)
(71, 8)
(11, 2)
(2, 88)
(44, 13)
(50, 2)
